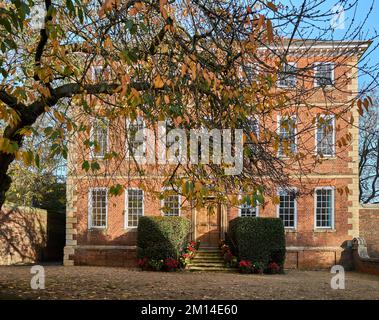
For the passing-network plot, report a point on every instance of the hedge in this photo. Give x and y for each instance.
(161, 237)
(259, 239)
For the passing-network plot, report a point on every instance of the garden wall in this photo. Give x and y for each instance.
(369, 227)
(23, 234)
(111, 256)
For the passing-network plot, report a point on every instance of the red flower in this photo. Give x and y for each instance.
(143, 262)
(171, 263)
(244, 263)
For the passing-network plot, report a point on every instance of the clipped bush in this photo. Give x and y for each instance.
(160, 238)
(259, 239)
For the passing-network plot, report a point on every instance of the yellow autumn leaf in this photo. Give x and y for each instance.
(270, 32)
(158, 82)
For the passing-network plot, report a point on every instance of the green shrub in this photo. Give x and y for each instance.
(259, 239)
(159, 238)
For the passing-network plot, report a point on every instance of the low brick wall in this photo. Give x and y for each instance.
(317, 258)
(111, 256)
(362, 261)
(23, 233)
(369, 227)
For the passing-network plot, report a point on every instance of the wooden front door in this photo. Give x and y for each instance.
(208, 225)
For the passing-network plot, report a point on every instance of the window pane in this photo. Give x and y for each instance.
(324, 208)
(325, 135)
(287, 77)
(171, 205)
(135, 206)
(132, 142)
(99, 137)
(287, 136)
(98, 207)
(324, 74)
(287, 209)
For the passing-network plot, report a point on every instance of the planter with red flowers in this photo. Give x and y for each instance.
(247, 267)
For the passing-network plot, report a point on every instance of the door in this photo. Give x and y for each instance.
(208, 225)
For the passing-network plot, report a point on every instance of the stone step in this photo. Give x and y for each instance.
(207, 264)
(210, 256)
(208, 259)
(214, 269)
(209, 252)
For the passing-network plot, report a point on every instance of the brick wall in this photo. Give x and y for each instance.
(369, 227)
(307, 247)
(22, 235)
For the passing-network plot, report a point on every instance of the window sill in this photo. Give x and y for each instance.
(286, 157)
(289, 230)
(130, 229)
(326, 157)
(327, 230)
(97, 229)
(328, 87)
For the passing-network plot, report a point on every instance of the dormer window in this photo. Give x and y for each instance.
(324, 74)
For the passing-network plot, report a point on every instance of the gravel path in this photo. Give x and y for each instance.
(119, 283)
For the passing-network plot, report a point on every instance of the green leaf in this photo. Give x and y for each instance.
(37, 160)
(95, 166)
(116, 190)
(85, 165)
(70, 6)
(6, 24)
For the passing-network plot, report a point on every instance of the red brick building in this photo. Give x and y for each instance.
(101, 230)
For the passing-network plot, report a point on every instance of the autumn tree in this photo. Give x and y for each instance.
(369, 155)
(212, 64)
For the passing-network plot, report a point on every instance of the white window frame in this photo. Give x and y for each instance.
(92, 148)
(90, 226)
(179, 201)
(240, 209)
(279, 85)
(126, 213)
(315, 72)
(254, 118)
(93, 71)
(106, 72)
(333, 135)
(331, 227)
(254, 67)
(279, 120)
(295, 207)
(127, 123)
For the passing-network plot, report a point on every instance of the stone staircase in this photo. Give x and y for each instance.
(209, 259)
